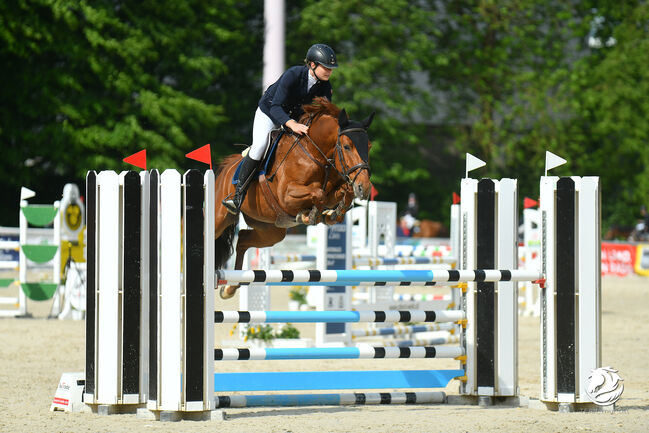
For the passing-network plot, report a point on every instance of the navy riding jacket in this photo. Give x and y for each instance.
(283, 99)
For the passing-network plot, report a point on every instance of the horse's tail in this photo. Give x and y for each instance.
(224, 244)
(224, 247)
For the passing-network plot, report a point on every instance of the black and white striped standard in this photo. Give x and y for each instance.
(338, 316)
(357, 398)
(355, 277)
(364, 352)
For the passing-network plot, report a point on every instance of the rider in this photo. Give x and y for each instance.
(281, 104)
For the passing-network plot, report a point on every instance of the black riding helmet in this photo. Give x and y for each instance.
(322, 55)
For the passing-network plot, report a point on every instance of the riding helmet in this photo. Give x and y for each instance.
(323, 55)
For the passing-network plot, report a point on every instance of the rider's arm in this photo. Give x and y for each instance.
(285, 85)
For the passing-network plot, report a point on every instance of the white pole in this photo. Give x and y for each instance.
(273, 41)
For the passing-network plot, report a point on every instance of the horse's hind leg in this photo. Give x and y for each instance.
(261, 236)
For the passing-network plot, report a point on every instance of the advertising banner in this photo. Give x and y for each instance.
(618, 259)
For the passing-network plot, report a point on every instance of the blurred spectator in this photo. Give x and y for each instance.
(409, 219)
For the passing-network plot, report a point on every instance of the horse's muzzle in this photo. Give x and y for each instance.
(361, 192)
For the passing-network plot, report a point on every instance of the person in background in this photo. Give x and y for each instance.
(409, 218)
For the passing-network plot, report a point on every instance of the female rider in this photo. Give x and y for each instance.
(281, 104)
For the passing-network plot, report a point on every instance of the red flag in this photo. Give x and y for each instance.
(137, 159)
(528, 203)
(202, 154)
(373, 193)
(456, 198)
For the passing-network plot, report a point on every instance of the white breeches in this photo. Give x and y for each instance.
(260, 129)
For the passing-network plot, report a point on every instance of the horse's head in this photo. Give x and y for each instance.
(344, 142)
(353, 153)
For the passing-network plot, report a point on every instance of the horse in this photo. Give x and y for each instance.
(617, 232)
(429, 229)
(311, 179)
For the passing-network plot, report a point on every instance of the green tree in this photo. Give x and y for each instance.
(603, 108)
(446, 78)
(85, 84)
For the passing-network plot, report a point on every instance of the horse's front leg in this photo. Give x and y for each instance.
(230, 290)
(266, 235)
(306, 202)
(344, 197)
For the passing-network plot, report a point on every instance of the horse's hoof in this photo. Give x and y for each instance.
(224, 292)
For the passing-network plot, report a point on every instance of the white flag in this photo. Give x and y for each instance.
(26, 193)
(472, 163)
(552, 161)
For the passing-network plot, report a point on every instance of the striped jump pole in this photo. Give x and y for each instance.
(396, 261)
(276, 258)
(402, 330)
(347, 399)
(353, 284)
(364, 352)
(337, 316)
(355, 277)
(430, 341)
(407, 297)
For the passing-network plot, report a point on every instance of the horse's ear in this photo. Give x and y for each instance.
(367, 122)
(343, 119)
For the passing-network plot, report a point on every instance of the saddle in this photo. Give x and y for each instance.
(273, 139)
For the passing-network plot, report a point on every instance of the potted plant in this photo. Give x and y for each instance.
(297, 298)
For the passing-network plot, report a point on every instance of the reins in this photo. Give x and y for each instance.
(330, 163)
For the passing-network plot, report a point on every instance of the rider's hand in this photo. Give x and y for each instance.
(297, 128)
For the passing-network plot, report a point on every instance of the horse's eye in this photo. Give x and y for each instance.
(347, 147)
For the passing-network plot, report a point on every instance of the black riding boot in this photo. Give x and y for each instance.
(248, 169)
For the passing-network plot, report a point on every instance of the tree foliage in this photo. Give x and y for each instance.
(86, 83)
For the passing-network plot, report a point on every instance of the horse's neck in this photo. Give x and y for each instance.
(323, 132)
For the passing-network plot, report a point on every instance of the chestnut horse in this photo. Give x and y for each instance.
(430, 229)
(312, 179)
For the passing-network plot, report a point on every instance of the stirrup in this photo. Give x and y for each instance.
(231, 205)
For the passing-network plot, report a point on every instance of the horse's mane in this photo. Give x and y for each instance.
(319, 107)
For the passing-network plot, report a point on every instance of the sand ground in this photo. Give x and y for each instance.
(36, 351)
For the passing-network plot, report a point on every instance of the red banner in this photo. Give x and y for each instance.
(618, 259)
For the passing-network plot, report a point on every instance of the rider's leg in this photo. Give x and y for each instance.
(261, 127)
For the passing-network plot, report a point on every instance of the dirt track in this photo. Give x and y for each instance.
(36, 351)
